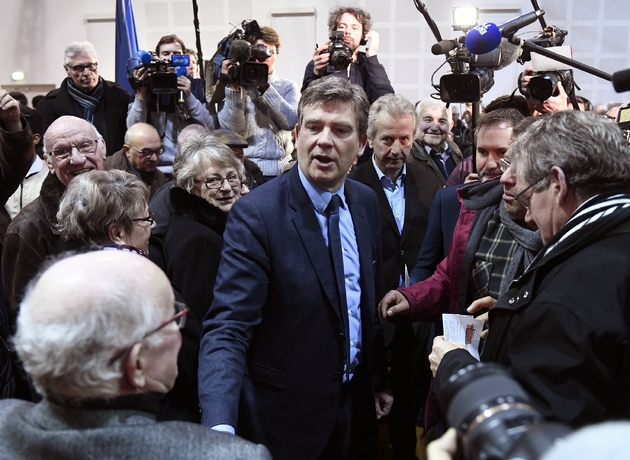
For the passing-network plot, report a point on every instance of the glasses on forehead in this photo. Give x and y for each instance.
(216, 182)
(504, 164)
(148, 152)
(181, 310)
(526, 202)
(84, 148)
(150, 218)
(92, 66)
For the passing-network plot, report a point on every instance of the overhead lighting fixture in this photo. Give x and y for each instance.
(465, 17)
(17, 76)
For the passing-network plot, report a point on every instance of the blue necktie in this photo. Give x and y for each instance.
(334, 247)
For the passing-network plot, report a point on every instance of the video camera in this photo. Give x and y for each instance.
(472, 75)
(161, 73)
(237, 47)
(340, 52)
(494, 417)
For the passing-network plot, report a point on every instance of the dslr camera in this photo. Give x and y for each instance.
(545, 84)
(161, 73)
(494, 417)
(339, 50)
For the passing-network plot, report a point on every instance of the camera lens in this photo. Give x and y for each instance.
(542, 87)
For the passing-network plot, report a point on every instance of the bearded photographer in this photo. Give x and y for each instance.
(265, 115)
(365, 70)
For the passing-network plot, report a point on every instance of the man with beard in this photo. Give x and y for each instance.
(86, 95)
(365, 69)
(73, 146)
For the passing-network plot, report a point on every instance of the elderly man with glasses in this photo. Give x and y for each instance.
(140, 156)
(101, 358)
(72, 146)
(87, 95)
(562, 327)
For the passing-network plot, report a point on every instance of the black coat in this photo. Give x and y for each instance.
(193, 244)
(110, 118)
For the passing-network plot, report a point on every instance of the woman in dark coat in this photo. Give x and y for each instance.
(207, 179)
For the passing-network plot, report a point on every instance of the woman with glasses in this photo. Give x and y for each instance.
(107, 209)
(207, 181)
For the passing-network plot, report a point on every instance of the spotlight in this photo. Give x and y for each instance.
(465, 17)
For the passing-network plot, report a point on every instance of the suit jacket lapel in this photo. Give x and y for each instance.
(307, 226)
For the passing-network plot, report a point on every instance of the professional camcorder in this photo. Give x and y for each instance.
(545, 84)
(161, 73)
(494, 417)
(237, 47)
(340, 52)
(472, 76)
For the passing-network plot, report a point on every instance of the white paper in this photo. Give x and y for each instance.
(463, 329)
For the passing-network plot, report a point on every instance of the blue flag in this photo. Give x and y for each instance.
(126, 42)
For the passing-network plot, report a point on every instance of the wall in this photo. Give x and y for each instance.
(35, 32)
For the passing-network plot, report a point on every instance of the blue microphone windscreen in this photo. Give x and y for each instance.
(180, 59)
(145, 57)
(180, 70)
(483, 38)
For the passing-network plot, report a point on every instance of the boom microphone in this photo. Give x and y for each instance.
(486, 37)
(240, 51)
(621, 81)
(445, 46)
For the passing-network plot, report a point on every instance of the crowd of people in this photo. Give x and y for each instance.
(184, 279)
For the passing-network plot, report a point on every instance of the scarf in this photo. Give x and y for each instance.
(89, 102)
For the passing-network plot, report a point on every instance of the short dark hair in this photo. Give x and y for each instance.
(331, 88)
(334, 15)
(514, 101)
(269, 35)
(510, 117)
(19, 96)
(166, 39)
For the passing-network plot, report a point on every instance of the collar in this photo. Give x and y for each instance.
(320, 198)
(399, 180)
(444, 148)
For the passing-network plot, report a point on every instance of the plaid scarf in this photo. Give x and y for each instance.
(89, 102)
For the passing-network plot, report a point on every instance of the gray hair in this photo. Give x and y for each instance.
(68, 118)
(394, 105)
(73, 49)
(96, 199)
(198, 153)
(364, 17)
(331, 88)
(430, 103)
(589, 149)
(67, 353)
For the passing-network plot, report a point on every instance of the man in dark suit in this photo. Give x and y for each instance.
(291, 345)
(86, 95)
(433, 150)
(405, 192)
(102, 357)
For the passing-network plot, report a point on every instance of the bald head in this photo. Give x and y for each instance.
(80, 312)
(74, 146)
(143, 147)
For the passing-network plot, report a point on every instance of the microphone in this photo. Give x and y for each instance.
(145, 57)
(181, 70)
(621, 81)
(509, 53)
(240, 51)
(486, 37)
(445, 46)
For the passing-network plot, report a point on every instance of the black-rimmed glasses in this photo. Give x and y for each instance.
(150, 218)
(79, 69)
(504, 164)
(527, 202)
(215, 183)
(181, 310)
(148, 153)
(84, 148)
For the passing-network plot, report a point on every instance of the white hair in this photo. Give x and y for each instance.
(73, 49)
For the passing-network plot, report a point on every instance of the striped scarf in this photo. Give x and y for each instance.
(89, 102)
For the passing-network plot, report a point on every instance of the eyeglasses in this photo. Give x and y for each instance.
(150, 218)
(81, 68)
(504, 164)
(148, 153)
(215, 183)
(526, 202)
(181, 310)
(85, 148)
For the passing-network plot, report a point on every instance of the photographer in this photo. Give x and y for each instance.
(264, 115)
(163, 111)
(365, 70)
